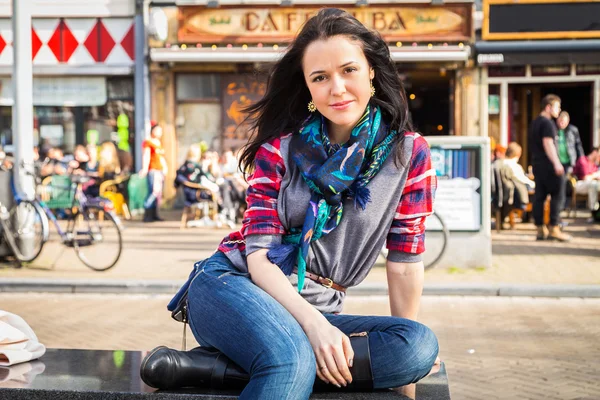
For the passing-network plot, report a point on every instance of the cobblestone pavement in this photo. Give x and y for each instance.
(494, 348)
(163, 251)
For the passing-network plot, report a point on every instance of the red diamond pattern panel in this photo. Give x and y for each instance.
(128, 42)
(36, 43)
(69, 42)
(91, 43)
(106, 41)
(54, 42)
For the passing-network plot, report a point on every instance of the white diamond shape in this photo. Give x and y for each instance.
(117, 27)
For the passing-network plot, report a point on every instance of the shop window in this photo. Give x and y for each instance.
(588, 69)
(120, 88)
(497, 71)
(549, 70)
(190, 87)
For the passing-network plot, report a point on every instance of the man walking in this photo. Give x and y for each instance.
(547, 169)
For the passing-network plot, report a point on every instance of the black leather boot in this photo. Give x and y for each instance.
(165, 368)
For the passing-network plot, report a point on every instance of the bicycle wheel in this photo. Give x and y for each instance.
(27, 226)
(96, 238)
(436, 240)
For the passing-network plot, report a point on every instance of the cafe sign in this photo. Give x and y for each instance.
(248, 25)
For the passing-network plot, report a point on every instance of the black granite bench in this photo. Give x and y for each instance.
(108, 375)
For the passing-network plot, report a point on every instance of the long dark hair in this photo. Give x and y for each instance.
(283, 108)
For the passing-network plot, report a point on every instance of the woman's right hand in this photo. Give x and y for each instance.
(333, 353)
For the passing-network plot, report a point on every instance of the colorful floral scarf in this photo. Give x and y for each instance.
(333, 172)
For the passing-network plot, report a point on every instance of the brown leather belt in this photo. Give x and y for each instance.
(328, 283)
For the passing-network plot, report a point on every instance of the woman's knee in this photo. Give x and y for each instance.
(290, 357)
(413, 343)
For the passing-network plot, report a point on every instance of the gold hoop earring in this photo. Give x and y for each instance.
(372, 89)
(311, 106)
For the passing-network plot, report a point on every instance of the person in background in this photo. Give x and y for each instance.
(91, 167)
(570, 148)
(513, 154)
(586, 170)
(124, 156)
(108, 162)
(54, 163)
(547, 169)
(191, 171)
(154, 167)
(81, 158)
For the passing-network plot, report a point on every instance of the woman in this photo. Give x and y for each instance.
(108, 162)
(154, 166)
(332, 152)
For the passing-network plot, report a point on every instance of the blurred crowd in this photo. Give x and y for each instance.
(513, 188)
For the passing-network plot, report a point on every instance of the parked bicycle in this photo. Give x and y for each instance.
(92, 228)
(436, 241)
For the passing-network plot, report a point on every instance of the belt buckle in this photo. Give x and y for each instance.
(328, 283)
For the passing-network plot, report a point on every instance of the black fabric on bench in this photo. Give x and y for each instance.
(105, 374)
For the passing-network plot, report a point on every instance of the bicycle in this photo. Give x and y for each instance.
(93, 229)
(436, 241)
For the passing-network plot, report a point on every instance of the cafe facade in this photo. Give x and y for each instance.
(209, 60)
(531, 48)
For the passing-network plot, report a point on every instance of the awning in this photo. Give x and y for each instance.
(250, 55)
(538, 52)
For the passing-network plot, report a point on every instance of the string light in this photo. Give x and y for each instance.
(245, 47)
(414, 44)
(229, 46)
(440, 128)
(460, 45)
(412, 96)
(275, 47)
(260, 45)
(198, 45)
(430, 46)
(398, 44)
(183, 46)
(214, 47)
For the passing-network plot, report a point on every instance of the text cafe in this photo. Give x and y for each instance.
(209, 63)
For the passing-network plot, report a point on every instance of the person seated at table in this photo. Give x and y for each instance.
(586, 171)
(55, 163)
(513, 154)
(108, 162)
(191, 171)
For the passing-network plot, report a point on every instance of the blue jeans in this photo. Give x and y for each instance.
(155, 180)
(229, 312)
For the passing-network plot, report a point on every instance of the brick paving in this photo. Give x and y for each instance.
(494, 348)
(162, 251)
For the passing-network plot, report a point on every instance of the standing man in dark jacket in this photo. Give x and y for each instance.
(569, 148)
(547, 169)
(568, 136)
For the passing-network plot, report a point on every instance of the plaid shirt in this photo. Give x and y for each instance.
(407, 234)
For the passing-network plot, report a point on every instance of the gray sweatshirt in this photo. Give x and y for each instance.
(347, 254)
